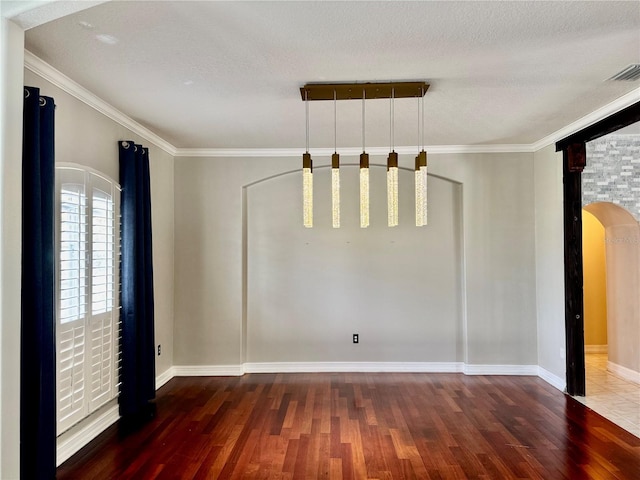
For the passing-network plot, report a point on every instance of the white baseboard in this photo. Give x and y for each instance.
(208, 370)
(624, 372)
(472, 369)
(353, 367)
(164, 377)
(596, 348)
(552, 379)
(94, 427)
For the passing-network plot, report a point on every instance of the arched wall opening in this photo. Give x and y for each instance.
(307, 291)
(622, 260)
(595, 286)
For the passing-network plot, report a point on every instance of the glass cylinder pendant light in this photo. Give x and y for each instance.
(364, 177)
(418, 184)
(307, 178)
(392, 189)
(421, 189)
(335, 190)
(392, 171)
(335, 172)
(421, 171)
(364, 190)
(307, 190)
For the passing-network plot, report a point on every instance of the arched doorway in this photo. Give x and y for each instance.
(595, 288)
(622, 251)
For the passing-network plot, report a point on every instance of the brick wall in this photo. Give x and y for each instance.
(612, 173)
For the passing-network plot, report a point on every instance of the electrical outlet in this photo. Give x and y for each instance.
(159, 349)
(356, 338)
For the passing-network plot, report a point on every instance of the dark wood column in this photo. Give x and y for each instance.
(574, 158)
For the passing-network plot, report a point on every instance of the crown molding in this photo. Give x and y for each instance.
(349, 151)
(618, 104)
(60, 80)
(49, 73)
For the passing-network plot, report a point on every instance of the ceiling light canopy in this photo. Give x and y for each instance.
(358, 91)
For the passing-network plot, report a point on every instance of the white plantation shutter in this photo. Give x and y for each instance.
(72, 251)
(88, 322)
(71, 364)
(102, 365)
(72, 297)
(104, 281)
(103, 267)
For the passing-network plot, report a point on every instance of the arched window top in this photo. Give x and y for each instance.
(88, 170)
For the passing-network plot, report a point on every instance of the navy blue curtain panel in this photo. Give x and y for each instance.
(37, 348)
(138, 378)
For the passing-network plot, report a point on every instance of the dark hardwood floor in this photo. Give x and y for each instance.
(363, 426)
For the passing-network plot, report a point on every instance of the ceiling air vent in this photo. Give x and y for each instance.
(629, 74)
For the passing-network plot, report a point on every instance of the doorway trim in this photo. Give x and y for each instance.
(574, 159)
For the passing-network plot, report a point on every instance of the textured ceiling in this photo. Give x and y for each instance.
(227, 74)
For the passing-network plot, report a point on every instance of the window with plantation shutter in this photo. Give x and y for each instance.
(88, 314)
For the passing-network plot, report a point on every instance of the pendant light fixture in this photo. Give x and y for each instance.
(421, 188)
(392, 170)
(335, 171)
(421, 172)
(366, 91)
(364, 175)
(307, 177)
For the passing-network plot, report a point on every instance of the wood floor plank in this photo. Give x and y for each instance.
(335, 468)
(362, 426)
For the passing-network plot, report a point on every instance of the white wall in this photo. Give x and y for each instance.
(11, 95)
(497, 268)
(623, 301)
(498, 212)
(549, 238)
(309, 290)
(87, 137)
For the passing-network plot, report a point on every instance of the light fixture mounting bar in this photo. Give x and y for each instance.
(355, 91)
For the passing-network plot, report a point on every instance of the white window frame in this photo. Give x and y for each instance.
(87, 344)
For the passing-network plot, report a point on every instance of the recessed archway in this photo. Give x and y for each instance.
(622, 250)
(595, 285)
(333, 289)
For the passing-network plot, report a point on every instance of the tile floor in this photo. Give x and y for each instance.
(610, 396)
